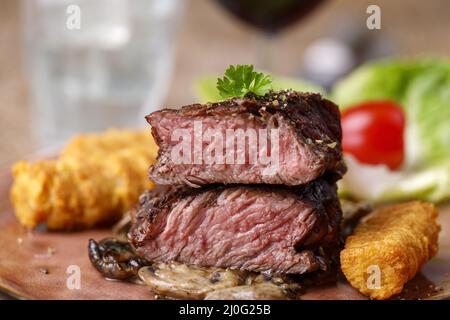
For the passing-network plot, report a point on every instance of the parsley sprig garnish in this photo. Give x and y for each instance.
(242, 79)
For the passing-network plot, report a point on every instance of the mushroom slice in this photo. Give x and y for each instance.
(256, 291)
(176, 280)
(259, 287)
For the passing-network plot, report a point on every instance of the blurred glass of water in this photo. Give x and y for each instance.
(96, 64)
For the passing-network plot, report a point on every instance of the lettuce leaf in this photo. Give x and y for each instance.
(429, 184)
(422, 87)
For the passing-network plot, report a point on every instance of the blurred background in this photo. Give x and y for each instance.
(131, 57)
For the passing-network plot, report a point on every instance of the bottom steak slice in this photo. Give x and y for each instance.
(262, 228)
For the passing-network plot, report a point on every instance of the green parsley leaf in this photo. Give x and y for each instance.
(241, 80)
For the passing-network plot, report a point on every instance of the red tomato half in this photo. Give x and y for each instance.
(373, 133)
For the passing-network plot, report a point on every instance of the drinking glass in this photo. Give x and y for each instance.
(97, 64)
(270, 17)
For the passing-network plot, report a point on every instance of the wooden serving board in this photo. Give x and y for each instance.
(38, 265)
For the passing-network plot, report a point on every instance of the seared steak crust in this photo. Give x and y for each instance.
(263, 228)
(310, 143)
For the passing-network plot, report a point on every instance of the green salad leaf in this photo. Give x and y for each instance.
(422, 88)
(430, 183)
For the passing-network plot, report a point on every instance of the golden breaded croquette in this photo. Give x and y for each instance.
(118, 141)
(396, 241)
(97, 178)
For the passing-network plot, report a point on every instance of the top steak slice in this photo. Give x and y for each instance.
(309, 141)
(277, 229)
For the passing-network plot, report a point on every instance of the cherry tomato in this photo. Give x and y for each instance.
(373, 133)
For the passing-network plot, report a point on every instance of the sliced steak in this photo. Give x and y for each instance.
(307, 126)
(249, 227)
